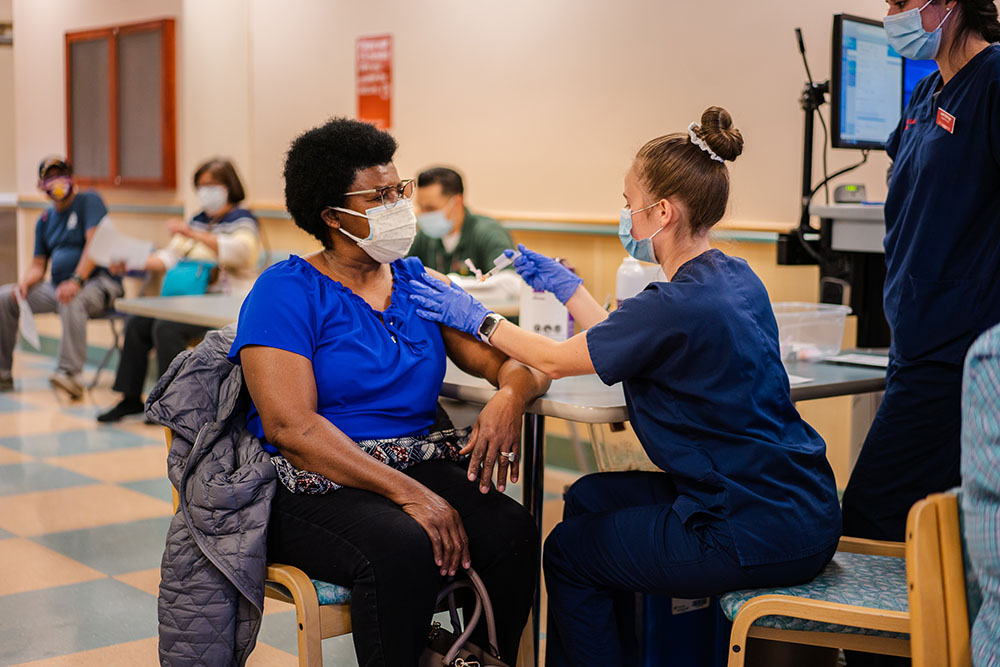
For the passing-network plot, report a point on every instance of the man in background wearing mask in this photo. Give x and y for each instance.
(450, 233)
(78, 290)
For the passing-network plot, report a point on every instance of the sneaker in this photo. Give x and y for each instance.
(7, 383)
(126, 407)
(67, 382)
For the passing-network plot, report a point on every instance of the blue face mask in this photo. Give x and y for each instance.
(436, 224)
(907, 36)
(641, 249)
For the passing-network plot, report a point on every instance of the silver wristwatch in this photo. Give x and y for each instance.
(488, 326)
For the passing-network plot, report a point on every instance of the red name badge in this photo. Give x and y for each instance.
(946, 121)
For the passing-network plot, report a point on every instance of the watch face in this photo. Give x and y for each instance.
(488, 325)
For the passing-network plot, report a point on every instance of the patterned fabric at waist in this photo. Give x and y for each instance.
(398, 453)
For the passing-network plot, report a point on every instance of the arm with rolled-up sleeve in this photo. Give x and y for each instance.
(630, 340)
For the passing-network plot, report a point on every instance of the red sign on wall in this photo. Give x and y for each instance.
(373, 59)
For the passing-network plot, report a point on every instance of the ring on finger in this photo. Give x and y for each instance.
(510, 456)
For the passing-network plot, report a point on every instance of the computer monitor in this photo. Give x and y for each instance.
(913, 72)
(866, 92)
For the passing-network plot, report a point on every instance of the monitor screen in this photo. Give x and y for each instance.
(913, 72)
(866, 90)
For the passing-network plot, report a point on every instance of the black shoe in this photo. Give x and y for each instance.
(127, 406)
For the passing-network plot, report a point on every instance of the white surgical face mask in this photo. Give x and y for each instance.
(390, 230)
(213, 198)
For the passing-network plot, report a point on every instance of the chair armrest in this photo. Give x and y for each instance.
(860, 545)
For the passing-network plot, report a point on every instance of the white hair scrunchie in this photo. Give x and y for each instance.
(701, 143)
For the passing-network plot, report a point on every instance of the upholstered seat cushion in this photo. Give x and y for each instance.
(326, 592)
(331, 593)
(854, 579)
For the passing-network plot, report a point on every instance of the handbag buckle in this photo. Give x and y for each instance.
(459, 662)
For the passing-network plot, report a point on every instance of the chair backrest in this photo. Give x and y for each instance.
(935, 573)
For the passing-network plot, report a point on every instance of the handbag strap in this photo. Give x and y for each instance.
(482, 604)
(491, 625)
(449, 592)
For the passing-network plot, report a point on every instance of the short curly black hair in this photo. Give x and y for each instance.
(322, 163)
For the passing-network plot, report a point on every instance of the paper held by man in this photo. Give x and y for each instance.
(108, 247)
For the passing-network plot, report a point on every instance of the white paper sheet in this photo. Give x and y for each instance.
(26, 322)
(798, 379)
(108, 246)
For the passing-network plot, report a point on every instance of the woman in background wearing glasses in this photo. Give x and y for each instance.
(344, 378)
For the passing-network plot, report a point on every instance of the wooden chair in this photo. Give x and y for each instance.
(858, 602)
(939, 589)
(322, 610)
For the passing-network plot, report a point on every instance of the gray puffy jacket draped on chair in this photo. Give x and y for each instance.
(212, 575)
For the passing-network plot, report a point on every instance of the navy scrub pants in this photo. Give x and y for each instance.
(913, 449)
(620, 536)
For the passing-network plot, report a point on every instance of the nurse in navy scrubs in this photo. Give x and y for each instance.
(746, 497)
(942, 252)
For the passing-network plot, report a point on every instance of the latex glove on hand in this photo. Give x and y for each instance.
(450, 305)
(545, 273)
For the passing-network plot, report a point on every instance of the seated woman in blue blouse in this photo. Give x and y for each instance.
(345, 377)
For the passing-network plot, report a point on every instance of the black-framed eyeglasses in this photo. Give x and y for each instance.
(390, 194)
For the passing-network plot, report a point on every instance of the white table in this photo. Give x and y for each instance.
(209, 310)
(217, 310)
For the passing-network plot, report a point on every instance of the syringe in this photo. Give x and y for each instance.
(500, 263)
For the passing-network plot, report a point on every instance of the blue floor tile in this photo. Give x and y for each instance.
(278, 630)
(31, 384)
(158, 488)
(68, 619)
(115, 549)
(76, 442)
(8, 404)
(36, 476)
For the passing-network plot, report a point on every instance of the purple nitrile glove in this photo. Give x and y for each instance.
(545, 273)
(450, 305)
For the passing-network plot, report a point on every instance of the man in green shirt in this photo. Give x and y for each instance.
(449, 233)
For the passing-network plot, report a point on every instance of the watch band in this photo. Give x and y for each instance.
(78, 279)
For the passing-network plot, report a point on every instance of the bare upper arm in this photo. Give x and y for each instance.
(473, 356)
(282, 385)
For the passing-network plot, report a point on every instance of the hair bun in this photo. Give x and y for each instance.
(718, 132)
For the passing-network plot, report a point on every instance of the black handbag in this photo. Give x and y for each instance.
(453, 649)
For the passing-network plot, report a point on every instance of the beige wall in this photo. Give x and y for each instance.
(541, 104)
(8, 180)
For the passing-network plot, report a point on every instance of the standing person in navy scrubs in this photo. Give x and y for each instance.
(942, 253)
(746, 497)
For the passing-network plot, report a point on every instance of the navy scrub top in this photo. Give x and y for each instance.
(942, 216)
(709, 400)
(378, 374)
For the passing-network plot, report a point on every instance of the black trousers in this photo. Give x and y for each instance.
(143, 334)
(913, 449)
(364, 541)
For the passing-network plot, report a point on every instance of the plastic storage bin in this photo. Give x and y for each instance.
(809, 331)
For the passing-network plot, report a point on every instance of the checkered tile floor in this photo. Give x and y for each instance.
(84, 509)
